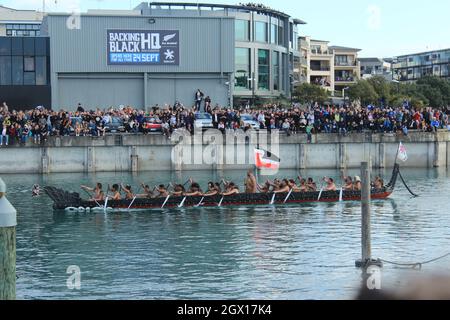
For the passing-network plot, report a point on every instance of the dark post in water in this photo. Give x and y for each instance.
(365, 212)
(366, 248)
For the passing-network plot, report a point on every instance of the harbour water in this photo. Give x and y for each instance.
(293, 252)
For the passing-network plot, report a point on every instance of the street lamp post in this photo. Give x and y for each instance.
(252, 82)
(343, 93)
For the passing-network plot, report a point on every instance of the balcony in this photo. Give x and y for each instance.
(303, 61)
(321, 53)
(322, 68)
(346, 64)
(344, 79)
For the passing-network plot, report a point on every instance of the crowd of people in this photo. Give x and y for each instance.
(225, 188)
(18, 127)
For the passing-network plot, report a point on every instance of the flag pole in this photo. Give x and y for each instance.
(398, 150)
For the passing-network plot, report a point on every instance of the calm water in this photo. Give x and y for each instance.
(303, 252)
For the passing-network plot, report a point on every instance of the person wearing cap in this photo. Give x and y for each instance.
(331, 186)
(357, 185)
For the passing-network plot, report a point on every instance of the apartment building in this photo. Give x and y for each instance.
(371, 67)
(332, 67)
(415, 66)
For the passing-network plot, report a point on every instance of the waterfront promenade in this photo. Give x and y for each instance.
(138, 153)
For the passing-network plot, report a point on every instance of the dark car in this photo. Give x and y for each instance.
(152, 124)
(115, 126)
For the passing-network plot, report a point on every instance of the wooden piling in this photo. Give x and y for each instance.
(365, 212)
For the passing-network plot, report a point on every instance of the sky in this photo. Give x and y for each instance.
(381, 28)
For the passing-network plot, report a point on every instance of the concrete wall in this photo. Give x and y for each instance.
(154, 153)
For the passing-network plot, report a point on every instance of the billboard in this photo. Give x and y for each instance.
(143, 47)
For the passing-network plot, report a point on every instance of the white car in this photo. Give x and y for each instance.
(203, 121)
(250, 121)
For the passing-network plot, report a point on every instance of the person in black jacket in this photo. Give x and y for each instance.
(198, 99)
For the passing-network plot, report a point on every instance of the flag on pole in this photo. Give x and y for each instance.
(402, 154)
(266, 160)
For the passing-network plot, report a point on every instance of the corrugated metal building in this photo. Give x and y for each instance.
(82, 73)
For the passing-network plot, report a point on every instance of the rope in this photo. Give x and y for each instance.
(406, 186)
(418, 265)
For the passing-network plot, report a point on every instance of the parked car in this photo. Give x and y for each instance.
(115, 126)
(203, 121)
(152, 124)
(249, 120)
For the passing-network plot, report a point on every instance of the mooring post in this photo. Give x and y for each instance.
(366, 246)
(365, 212)
(8, 223)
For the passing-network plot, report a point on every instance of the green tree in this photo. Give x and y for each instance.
(381, 87)
(364, 92)
(309, 93)
(436, 90)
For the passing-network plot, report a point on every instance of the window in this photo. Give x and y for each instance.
(281, 36)
(41, 71)
(242, 72)
(16, 46)
(273, 34)
(26, 30)
(28, 46)
(284, 72)
(260, 31)
(17, 70)
(5, 70)
(5, 46)
(276, 70)
(342, 60)
(41, 46)
(295, 41)
(242, 30)
(263, 70)
(28, 64)
(29, 78)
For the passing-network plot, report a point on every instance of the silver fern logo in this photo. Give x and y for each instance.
(169, 37)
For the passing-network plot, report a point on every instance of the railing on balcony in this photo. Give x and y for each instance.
(345, 64)
(320, 68)
(320, 52)
(344, 79)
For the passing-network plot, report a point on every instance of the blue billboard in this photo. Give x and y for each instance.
(143, 47)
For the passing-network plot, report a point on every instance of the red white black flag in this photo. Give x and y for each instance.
(402, 154)
(266, 160)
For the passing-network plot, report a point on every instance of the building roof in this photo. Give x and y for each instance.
(315, 40)
(249, 7)
(12, 9)
(425, 52)
(343, 48)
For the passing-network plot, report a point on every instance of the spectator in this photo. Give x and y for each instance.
(198, 100)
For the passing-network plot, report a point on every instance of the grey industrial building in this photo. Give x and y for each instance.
(229, 52)
(156, 54)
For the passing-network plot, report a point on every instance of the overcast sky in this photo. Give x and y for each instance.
(381, 28)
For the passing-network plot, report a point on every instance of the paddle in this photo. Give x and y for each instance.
(288, 196)
(89, 195)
